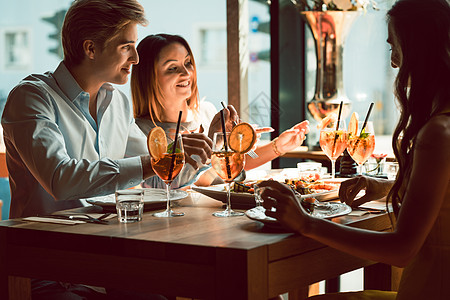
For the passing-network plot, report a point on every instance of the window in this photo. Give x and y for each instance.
(17, 49)
(211, 44)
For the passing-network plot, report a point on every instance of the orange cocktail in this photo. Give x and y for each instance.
(228, 165)
(360, 148)
(161, 166)
(361, 143)
(167, 162)
(333, 139)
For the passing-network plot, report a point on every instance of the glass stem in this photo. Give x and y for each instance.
(333, 168)
(359, 170)
(168, 197)
(228, 197)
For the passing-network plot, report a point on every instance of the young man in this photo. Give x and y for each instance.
(69, 134)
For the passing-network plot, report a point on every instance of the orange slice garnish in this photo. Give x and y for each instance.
(157, 143)
(331, 118)
(353, 124)
(242, 138)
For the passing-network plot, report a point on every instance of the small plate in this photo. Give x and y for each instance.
(323, 211)
(153, 199)
(241, 200)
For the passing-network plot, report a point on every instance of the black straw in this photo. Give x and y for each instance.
(227, 160)
(224, 106)
(174, 147)
(337, 127)
(339, 115)
(367, 118)
(364, 125)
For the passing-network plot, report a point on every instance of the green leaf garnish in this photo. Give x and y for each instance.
(170, 147)
(364, 135)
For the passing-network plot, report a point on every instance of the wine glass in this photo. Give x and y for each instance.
(360, 147)
(228, 164)
(333, 142)
(167, 168)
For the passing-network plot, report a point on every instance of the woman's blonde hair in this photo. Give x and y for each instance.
(145, 90)
(96, 20)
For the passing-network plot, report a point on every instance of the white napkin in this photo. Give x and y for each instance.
(358, 213)
(53, 220)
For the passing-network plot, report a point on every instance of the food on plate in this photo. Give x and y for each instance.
(242, 138)
(308, 204)
(309, 183)
(240, 187)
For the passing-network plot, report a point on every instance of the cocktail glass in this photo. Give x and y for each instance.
(228, 165)
(333, 142)
(167, 168)
(361, 146)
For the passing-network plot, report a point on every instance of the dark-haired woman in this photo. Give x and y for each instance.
(419, 35)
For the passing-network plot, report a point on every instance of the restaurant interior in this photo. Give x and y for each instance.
(262, 57)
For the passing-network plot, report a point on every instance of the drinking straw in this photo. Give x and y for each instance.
(227, 161)
(224, 106)
(174, 147)
(364, 125)
(367, 118)
(337, 126)
(339, 115)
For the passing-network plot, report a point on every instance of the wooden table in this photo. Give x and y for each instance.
(197, 256)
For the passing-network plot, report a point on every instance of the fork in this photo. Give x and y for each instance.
(82, 217)
(250, 153)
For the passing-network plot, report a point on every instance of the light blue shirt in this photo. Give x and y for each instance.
(55, 151)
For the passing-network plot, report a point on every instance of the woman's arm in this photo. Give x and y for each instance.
(426, 190)
(286, 141)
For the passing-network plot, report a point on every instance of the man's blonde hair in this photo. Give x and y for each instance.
(96, 20)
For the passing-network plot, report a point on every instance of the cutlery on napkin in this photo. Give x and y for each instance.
(53, 220)
(72, 219)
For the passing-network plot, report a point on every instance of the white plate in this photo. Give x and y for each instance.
(324, 211)
(153, 198)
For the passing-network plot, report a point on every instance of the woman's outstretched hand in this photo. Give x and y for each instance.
(288, 211)
(292, 138)
(375, 189)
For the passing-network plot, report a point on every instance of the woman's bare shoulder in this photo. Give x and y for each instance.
(436, 132)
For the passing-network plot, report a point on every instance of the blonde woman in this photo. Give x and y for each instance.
(165, 82)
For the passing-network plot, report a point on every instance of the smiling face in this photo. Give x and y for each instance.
(175, 73)
(396, 52)
(115, 60)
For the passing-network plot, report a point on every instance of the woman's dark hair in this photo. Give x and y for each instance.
(422, 84)
(145, 91)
